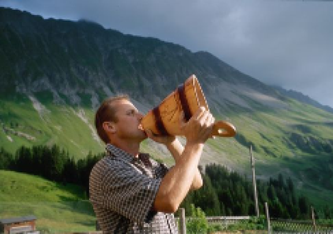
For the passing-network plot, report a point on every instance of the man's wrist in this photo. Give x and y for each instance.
(172, 143)
(194, 146)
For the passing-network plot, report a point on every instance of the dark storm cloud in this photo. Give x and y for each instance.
(286, 43)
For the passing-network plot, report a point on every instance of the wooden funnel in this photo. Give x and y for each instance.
(188, 97)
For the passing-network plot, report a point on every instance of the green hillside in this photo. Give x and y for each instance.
(296, 142)
(27, 123)
(58, 208)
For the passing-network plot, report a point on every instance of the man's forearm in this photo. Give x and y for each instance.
(179, 179)
(176, 149)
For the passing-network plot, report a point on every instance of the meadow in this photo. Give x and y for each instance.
(57, 207)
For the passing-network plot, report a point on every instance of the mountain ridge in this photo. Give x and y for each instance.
(302, 98)
(93, 65)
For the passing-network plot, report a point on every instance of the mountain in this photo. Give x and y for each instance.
(73, 59)
(54, 74)
(302, 98)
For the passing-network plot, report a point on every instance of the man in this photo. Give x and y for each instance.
(129, 191)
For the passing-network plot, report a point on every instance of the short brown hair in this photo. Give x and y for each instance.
(106, 112)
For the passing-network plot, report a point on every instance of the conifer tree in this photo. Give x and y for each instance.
(6, 159)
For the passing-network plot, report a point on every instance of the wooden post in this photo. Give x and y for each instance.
(269, 231)
(98, 228)
(182, 221)
(225, 222)
(254, 182)
(313, 219)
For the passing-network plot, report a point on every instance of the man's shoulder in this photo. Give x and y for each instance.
(108, 166)
(108, 161)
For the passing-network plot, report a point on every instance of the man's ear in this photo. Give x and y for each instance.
(109, 127)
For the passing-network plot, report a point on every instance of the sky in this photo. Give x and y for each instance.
(288, 43)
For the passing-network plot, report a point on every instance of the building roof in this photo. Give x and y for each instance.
(18, 219)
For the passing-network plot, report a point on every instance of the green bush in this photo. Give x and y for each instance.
(253, 223)
(212, 228)
(197, 224)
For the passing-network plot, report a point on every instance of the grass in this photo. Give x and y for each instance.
(270, 132)
(56, 125)
(58, 208)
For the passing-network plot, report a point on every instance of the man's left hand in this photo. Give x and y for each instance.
(165, 140)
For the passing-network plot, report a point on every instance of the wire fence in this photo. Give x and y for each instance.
(295, 226)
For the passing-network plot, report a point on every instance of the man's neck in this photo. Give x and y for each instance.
(129, 147)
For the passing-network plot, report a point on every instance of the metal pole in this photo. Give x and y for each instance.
(254, 182)
(268, 219)
(182, 224)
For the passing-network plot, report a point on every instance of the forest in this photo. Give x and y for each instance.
(224, 192)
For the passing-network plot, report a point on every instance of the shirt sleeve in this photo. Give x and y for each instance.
(125, 190)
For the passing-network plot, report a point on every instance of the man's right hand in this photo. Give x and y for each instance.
(199, 128)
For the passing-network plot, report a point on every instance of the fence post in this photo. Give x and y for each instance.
(254, 182)
(182, 221)
(226, 222)
(98, 228)
(313, 219)
(268, 219)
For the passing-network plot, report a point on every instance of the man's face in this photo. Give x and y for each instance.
(129, 119)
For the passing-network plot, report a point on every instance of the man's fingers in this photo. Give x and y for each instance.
(211, 119)
(149, 133)
(182, 121)
(199, 113)
(206, 119)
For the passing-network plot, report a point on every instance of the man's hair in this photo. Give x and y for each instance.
(106, 112)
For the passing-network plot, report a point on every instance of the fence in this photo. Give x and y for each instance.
(225, 221)
(274, 226)
(278, 226)
(294, 226)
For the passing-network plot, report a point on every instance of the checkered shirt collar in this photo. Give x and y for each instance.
(118, 153)
(123, 155)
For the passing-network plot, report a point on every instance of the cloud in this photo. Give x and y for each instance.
(286, 43)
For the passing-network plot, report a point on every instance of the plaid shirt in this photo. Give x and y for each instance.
(122, 191)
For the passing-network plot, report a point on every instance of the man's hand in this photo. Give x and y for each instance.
(199, 128)
(165, 140)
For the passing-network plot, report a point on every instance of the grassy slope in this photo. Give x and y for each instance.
(56, 125)
(270, 132)
(58, 208)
